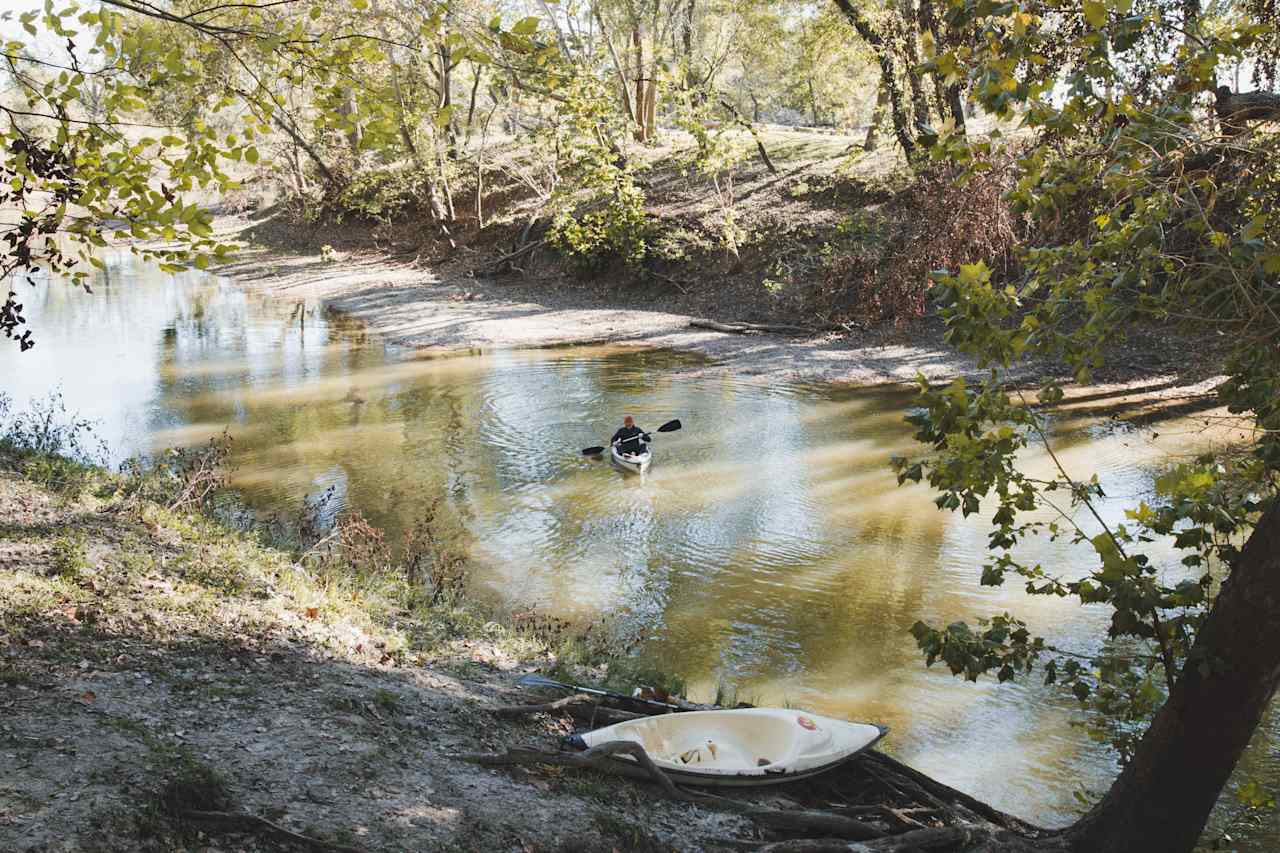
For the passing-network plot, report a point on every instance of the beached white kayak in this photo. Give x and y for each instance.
(748, 746)
(637, 463)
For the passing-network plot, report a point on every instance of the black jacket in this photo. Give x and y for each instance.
(629, 440)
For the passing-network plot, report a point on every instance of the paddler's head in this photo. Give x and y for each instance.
(628, 421)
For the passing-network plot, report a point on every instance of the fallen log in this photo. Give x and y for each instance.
(818, 823)
(496, 265)
(544, 708)
(746, 328)
(254, 823)
(580, 706)
(934, 838)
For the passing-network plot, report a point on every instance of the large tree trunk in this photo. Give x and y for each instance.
(637, 46)
(445, 105)
(651, 109)
(949, 99)
(901, 127)
(618, 66)
(686, 35)
(1163, 797)
(877, 118)
(910, 47)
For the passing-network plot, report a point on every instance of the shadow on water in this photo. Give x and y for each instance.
(769, 547)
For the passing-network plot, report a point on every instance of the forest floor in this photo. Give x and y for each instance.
(415, 289)
(153, 661)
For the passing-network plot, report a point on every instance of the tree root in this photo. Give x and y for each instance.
(261, 824)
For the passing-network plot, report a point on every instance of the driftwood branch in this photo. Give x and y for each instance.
(566, 704)
(588, 709)
(751, 128)
(261, 824)
(601, 758)
(938, 791)
(817, 823)
(511, 256)
(745, 328)
(934, 838)
(596, 758)
(873, 804)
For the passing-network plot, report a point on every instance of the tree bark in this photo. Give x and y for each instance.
(1163, 797)
(618, 66)
(651, 108)
(300, 141)
(478, 70)
(949, 99)
(445, 55)
(637, 46)
(1236, 110)
(877, 117)
(750, 128)
(910, 47)
(686, 34)
(901, 127)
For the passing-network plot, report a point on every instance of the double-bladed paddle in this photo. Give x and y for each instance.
(541, 681)
(669, 426)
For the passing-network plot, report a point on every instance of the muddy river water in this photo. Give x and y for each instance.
(768, 550)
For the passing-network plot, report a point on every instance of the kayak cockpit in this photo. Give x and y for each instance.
(743, 746)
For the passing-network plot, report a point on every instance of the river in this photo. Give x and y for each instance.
(768, 550)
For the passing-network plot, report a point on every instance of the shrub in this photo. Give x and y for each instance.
(50, 445)
(940, 221)
(620, 230)
(68, 556)
(48, 429)
(383, 195)
(181, 478)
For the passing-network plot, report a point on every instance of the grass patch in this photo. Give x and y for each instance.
(68, 556)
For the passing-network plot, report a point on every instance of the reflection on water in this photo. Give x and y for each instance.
(769, 547)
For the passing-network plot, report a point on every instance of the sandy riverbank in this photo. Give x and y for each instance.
(423, 309)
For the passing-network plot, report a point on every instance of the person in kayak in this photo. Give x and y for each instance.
(630, 440)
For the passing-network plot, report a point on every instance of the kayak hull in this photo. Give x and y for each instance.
(742, 747)
(632, 464)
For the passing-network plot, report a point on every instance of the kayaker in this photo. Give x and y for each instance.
(631, 440)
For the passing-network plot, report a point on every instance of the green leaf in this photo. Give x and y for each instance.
(1095, 13)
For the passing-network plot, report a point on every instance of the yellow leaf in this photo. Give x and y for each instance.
(1095, 13)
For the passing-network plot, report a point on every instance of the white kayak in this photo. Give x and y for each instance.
(636, 463)
(747, 746)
